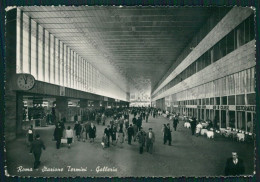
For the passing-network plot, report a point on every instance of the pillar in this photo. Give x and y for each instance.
(19, 113)
(96, 104)
(62, 108)
(10, 119)
(84, 105)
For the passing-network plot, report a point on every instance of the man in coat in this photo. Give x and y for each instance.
(193, 125)
(78, 128)
(130, 133)
(141, 139)
(58, 133)
(36, 149)
(234, 166)
(150, 138)
(134, 120)
(139, 123)
(175, 122)
(168, 134)
(108, 131)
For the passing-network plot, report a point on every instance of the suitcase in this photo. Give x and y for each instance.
(63, 140)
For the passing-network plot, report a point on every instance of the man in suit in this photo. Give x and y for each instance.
(150, 138)
(193, 125)
(139, 123)
(134, 120)
(175, 122)
(130, 132)
(234, 166)
(58, 133)
(141, 139)
(108, 131)
(36, 149)
(168, 134)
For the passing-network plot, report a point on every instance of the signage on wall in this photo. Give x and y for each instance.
(221, 107)
(182, 106)
(62, 91)
(201, 107)
(245, 108)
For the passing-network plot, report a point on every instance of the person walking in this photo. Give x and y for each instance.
(104, 141)
(175, 122)
(130, 133)
(135, 131)
(108, 132)
(193, 125)
(121, 136)
(234, 166)
(150, 138)
(139, 123)
(168, 134)
(146, 116)
(58, 133)
(30, 134)
(141, 140)
(164, 133)
(36, 149)
(92, 132)
(87, 128)
(103, 119)
(77, 128)
(113, 135)
(83, 132)
(134, 120)
(69, 135)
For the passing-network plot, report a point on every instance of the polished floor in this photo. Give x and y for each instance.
(188, 156)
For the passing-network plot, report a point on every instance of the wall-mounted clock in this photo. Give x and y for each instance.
(25, 81)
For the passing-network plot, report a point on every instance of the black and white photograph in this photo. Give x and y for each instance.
(130, 91)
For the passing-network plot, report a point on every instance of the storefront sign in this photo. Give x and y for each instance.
(201, 107)
(245, 108)
(221, 107)
(38, 101)
(181, 106)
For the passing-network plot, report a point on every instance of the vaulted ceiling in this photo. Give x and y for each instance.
(133, 46)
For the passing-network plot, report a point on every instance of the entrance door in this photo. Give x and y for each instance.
(232, 119)
(249, 121)
(223, 118)
(241, 120)
(216, 120)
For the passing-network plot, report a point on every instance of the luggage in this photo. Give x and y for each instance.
(63, 140)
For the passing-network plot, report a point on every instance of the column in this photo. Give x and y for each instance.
(19, 113)
(61, 108)
(96, 104)
(83, 105)
(10, 119)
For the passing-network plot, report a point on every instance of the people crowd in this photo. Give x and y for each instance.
(118, 130)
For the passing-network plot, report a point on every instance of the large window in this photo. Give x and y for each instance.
(251, 99)
(242, 34)
(41, 57)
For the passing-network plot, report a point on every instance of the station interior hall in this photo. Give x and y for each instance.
(78, 65)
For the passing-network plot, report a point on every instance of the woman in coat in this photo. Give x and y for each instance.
(114, 130)
(92, 132)
(30, 135)
(69, 135)
(121, 136)
(83, 133)
(78, 129)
